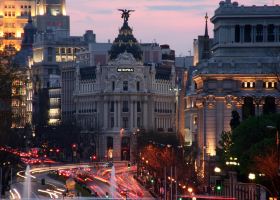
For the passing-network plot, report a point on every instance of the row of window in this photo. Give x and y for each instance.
(259, 33)
(125, 107)
(265, 85)
(125, 86)
(125, 121)
(13, 6)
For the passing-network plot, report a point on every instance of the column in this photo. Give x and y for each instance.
(253, 34)
(135, 113)
(115, 114)
(131, 114)
(145, 115)
(241, 33)
(276, 31)
(265, 33)
(105, 114)
(119, 113)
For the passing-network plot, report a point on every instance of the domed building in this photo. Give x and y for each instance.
(115, 101)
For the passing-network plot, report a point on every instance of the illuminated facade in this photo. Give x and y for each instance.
(116, 100)
(47, 14)
(22, 87)
(13, 17)
(241, 75)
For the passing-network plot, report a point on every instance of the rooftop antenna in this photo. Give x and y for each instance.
(190, 52)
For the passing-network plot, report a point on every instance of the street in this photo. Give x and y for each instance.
(98, 179)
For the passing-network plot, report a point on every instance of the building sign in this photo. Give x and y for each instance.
(125, 69)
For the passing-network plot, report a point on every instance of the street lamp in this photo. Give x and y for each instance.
(277, 146)
(217, 170)
(252, 176)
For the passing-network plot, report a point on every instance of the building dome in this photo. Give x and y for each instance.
(125, 42)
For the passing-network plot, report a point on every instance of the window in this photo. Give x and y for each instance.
(270, 33)
(248, 85)
(138, 86)
(247, 33)
(237, 33)
(62, 50)
(112, 122)
(125, 106)
(125, 86)
(112, 106)
(138, 106)
(125, 122)
(69, 50)
(270, 85)
(113, 85)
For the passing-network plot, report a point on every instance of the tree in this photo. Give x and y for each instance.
(252, 142)
(7, 76)
(235, 119)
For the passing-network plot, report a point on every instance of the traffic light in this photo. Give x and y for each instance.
(218, 185)
(93, 157)
(74, 147)
(128, 165)
(152, 181)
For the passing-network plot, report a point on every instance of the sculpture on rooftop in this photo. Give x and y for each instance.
(125, 14)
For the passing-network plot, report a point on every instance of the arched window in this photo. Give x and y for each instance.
(259, 33)
(270, 33)
(248, 108)
(237, 33)
(247, 33)
(269, 106)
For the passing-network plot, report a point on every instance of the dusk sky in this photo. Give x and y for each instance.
(173, 22)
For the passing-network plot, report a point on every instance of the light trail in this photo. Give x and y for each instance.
(19, 197)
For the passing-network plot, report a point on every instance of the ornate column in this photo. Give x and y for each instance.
(105, 114)
(210, 124)
(119, 114)
(131, 114)
(145, 114)
(115, 114)
(135, 113)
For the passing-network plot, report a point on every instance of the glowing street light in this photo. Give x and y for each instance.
(217, 170)
(252, 176)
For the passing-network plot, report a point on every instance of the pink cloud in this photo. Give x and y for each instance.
(174, 22)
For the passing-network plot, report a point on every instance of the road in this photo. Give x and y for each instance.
(97, 179)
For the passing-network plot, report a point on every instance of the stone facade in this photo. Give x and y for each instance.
(241, 74)
(119, 99)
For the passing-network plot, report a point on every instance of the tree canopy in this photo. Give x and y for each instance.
(253, 143)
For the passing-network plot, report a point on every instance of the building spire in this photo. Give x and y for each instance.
(206, 26)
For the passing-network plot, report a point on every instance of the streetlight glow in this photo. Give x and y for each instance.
(252, 176)
(217, 170)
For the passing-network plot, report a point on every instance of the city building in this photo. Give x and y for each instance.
(22, 87)
(53, 48)
(116, 100)
(202, 46)
(47, 14)
(242, 73)
(13, 17)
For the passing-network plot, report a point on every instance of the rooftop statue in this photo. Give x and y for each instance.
(125, 14)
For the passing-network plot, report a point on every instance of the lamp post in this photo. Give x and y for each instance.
(277, 146)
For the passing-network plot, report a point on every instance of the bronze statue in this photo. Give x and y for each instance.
(125, 14)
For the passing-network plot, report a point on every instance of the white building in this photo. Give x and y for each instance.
(115, 100)
(240, 75)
